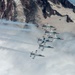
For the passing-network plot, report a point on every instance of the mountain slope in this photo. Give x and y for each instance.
(27, 10)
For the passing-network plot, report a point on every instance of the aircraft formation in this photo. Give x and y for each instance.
(50, 35)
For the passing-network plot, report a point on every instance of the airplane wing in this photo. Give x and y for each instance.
(49, 47)
(56, 37)
(39, 39)
(50, 37)
(55, 33)
(38, 55)
(59, 38)
(41, 55)
(48, 41)
(35, 54)
(41, 45)
(47, 32)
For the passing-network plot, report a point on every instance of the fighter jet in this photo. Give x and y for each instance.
(55, 38)
(48, 26)
(43, 46)
(51, 32)
(54, 32)
(35, 54)
(44, 40)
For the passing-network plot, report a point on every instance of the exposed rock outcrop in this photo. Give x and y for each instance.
(7, 9)
(65, 3)
(26, 10)
(68, 19)
(29, 9)
(46, 8)
(74, 9)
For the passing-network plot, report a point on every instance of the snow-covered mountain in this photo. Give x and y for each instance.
(18, 39)
(28, 10)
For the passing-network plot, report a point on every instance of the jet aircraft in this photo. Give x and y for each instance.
(43, 41)
(43, 46)
(35, 54)
(48, 26)
(51, 32)
(55, 38)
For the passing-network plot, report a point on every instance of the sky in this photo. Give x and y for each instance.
(73, 1)
(16, 60)
(15, 54)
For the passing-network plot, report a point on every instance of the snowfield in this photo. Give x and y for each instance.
(16, 45)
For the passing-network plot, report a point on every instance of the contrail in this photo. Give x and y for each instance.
(10, 49)
(13, 28)
(16, 41)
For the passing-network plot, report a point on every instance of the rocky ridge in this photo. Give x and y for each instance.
(26, 10)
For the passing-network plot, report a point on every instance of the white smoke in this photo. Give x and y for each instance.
(57, 61)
